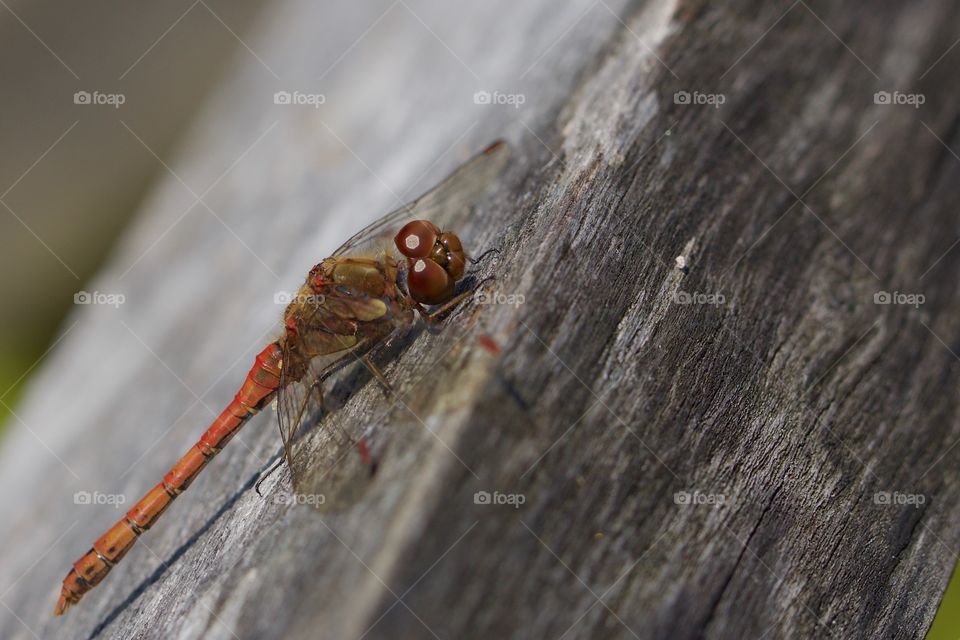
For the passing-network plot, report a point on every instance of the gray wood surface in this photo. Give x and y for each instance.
(761, 383)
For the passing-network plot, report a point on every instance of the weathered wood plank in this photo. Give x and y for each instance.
(763, 375)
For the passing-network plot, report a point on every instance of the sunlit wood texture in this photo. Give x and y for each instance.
(763, 375)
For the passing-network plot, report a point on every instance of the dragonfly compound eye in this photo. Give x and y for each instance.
(428, 282)
(416, 238)
(456, 259)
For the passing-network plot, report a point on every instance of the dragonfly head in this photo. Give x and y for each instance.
(435, 260)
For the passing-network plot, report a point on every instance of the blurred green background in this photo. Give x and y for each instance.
(71, 177)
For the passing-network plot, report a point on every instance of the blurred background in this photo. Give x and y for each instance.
(73, 173)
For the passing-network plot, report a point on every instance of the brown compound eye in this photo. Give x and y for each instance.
(456, 258)
(428, 282)
(451, 241)
(416, 238)
(456, 265)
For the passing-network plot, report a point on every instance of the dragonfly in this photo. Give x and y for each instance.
(404, 266)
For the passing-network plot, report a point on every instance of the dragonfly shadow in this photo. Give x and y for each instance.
(176, 555)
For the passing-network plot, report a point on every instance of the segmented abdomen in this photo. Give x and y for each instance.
(257, 391)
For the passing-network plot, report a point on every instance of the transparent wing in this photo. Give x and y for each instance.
(333, 334)
(319, 460)
(457, 192)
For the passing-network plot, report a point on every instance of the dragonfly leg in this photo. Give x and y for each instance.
(483, 255)
(432, 317)
(375, 370)
(266, 474)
